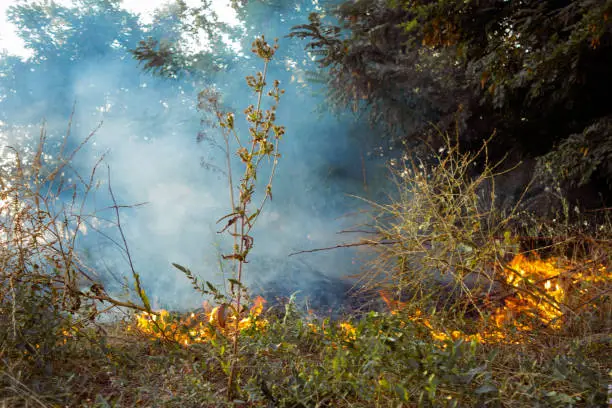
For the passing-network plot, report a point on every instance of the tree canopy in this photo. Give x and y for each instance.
(536, 73)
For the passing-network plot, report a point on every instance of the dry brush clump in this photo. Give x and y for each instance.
(49, 295)
(447, 242)
(528, 288)
(443, 229)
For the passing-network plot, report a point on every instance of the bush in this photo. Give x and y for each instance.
(444, 231)
(48, 295)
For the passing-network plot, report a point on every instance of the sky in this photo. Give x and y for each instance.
(14, 45)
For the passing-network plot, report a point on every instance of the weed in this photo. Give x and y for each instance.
(263, 143)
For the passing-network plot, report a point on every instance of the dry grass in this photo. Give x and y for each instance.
(48, 293)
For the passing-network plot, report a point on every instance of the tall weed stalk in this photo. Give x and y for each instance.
(261, 145)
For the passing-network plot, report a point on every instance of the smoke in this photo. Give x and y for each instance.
(148, 137)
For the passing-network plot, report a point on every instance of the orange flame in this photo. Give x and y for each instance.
(393, 305)
(544, 291)
(541, 292)
(201, 327)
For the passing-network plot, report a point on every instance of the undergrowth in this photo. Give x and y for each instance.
(485, 306)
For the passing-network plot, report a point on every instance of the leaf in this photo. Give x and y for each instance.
(102, 402)
(212, 288)
(469, 376)
(181, 268)
(231, 222)
(402, 393)
(141, 292)
(253, 216)
(237, 257)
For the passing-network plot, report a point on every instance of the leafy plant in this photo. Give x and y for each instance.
(262, 144)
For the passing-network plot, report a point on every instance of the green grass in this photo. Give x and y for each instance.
(388, 361)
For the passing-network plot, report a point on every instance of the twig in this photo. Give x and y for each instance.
(350, 245)
(116, 207)
(357, 232)
(24, 389)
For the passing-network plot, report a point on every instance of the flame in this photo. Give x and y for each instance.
(545, 289)
(393, 305)
(349, 332)
(541, 292)
(199, 327)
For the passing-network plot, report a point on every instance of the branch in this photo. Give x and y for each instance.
(350, 245)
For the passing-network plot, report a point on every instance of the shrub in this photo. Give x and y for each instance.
(48, 294)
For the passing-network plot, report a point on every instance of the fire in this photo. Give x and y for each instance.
(200, 327)
(349, 332)
(417, 317)
(393, 305)
(545, 291)
(541, 292)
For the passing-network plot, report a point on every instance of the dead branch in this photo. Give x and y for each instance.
(349, 245)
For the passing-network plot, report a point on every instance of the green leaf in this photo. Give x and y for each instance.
(181, 268)
(212, 288)
(101, 402)
(141, 292)
(253, 216)
(235, 282)
(402, 393)
(469, 376)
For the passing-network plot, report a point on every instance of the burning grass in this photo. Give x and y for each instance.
(201, 326)
(548, 291)
(522, 353)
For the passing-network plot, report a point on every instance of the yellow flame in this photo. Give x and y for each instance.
(202, 327)
(348, 331)
(544, 289)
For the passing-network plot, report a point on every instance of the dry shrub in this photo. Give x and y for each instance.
(446, 243)
(48, 294)
(443, 230)
(535, 290)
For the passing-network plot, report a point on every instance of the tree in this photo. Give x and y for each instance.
(63, 39)
(164, 51)
(81, 52)
(534, 72)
